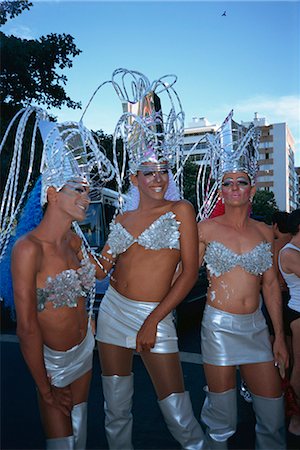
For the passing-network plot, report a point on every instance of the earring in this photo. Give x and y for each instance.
(250, 199)
(222, 200)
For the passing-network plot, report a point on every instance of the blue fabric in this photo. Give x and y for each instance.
(30, 217)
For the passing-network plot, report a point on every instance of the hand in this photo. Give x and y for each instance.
(146, 336)
(60, 398)
(281, 354)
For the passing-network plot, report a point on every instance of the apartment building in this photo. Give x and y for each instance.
(276, 163)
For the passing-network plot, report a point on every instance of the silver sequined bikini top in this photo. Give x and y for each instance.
(162, 233)
(66, 287)
(220, 259)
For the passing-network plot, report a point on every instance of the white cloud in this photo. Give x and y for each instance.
(21, 31)
(274, 109)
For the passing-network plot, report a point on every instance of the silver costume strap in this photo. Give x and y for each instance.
(86, 250)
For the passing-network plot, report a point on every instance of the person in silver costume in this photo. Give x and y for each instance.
(237, 251)
(144, 246)
(52, 275)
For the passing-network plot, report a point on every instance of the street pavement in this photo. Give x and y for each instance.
(21, 426)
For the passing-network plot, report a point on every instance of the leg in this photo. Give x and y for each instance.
(117, 385)
(219, 412)
(80, 391)
(175, 404)
(294, 426)
(57, 427)
(264, 382)
(68, 432)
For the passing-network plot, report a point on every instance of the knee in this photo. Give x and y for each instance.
(219, 414)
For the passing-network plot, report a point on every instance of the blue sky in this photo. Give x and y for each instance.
(248, 60)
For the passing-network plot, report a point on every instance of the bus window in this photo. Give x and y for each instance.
(99, 215)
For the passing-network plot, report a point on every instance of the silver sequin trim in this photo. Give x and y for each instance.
(220, 259)
(67, 286)
(162, 233)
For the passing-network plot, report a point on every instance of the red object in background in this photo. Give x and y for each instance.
(218, 210)
(291, 406)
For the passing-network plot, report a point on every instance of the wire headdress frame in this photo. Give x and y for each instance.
(70, 153)
(146, 133)
(233, 148)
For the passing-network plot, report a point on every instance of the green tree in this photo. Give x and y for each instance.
(12, 9)
(264, 205)
(31, 69)
(190, 172)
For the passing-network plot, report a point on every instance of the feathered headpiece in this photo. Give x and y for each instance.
(234, 148)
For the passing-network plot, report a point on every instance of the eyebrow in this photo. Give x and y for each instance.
(238, 178)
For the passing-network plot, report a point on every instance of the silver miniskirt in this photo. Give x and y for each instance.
(65, 367)
(120, 319)
(234, 339)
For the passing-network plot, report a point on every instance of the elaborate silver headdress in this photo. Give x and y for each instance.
(148, 134)
(234, 148)
(70, 153)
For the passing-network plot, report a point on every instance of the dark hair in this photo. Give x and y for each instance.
(280, 218)
(294, 221)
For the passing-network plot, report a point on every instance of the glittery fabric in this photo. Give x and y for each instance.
(67, 286)
(220, 259)
(65, 367)
(162, 233)
(231, 339)
(120, 319)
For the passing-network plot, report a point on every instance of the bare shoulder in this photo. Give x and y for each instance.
(264, 229)
(27, 250)
(27, 244)
(205, 228)
(183, 207)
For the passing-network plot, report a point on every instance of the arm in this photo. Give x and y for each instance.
(290, 261)
(103, 262)
(183, 283)
(25, 258)
(273, 301)
(202, 243)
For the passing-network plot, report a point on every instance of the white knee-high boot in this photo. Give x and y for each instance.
(270, 423)
(181, 422)
(219, 414)
(64, 443)
(79, 424)
(118, 392)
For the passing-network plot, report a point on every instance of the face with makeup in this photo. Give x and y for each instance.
(236, 188)
(152, 179)
(74, 199)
